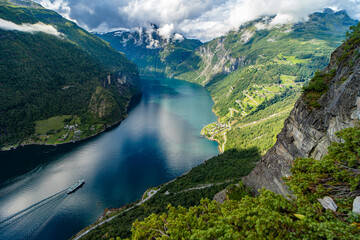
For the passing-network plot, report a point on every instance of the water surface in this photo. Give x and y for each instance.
(158, 141)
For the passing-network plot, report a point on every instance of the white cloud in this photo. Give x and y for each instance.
(178, 37)
(30, 28)
(166, 30)
(204, 19)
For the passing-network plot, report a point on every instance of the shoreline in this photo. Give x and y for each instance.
(133, 101)
(214, 140)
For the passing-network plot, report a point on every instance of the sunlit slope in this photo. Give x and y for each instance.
(255, 74)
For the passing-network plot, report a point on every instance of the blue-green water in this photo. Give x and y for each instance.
(158, 141)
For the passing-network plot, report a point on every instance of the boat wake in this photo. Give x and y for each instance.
(22, 224)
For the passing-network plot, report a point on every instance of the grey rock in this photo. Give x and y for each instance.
(308, 132)
(220, 197)
(356, 205)
(328, 203)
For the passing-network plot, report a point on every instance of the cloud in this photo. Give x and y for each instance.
(166, 30)
(204, 19)
(30, 28)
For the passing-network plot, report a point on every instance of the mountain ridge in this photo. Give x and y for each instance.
(153, 52)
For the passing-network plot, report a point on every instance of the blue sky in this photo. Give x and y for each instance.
(202, 19)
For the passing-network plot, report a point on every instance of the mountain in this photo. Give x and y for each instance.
(270, 65)
(256, 73)
(58, 82)
(152, 52)
(181, 208)
(329, 103)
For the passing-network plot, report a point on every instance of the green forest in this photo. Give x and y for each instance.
(272, 216)
(44, 76)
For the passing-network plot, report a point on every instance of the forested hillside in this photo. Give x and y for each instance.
(272, 216)
(255, 74)
(61, 87)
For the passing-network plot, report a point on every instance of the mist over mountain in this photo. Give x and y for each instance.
(153, 52)
(200, 19)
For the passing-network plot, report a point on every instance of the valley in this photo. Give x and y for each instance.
(306, 164)
(219, 121)
(252, 73)
(117, 165)
(254, 77)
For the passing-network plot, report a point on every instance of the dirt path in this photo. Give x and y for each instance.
(247, 95)
(202, 186)
(269, 91)
(262, 120)
(243, 110)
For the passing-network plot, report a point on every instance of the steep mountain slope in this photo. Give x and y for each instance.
(255, 74)
(152, 52)
(330, 103)
(56, 72)
(270, 214)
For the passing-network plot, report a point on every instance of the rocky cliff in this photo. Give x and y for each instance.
(217, 60)
(310, 128)
(105, 103)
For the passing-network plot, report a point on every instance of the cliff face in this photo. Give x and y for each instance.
(217, 59)
(308, 131)
(124, 82)
(105, 103)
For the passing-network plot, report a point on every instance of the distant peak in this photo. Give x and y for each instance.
(154, 26)
(328, 11)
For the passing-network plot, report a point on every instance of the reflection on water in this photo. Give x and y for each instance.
(157, 142)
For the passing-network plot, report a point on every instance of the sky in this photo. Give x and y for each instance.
(201, 19)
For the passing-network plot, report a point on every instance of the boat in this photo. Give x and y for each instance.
(75, 186)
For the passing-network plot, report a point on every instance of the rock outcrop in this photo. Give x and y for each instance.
(308, 131)
(124, 81)
(328, 203)
(356, 205)
(103, 104)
